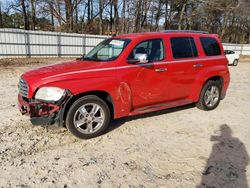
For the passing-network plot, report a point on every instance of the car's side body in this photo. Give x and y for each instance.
(129, 89)
(232, 57)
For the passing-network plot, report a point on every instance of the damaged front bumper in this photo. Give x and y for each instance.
(43, 113)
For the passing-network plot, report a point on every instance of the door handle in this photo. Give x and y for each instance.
(197, 65)
(161, 69)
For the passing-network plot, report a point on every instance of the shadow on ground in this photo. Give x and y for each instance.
(226, 166)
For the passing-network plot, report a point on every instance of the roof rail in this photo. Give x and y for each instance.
(184, 31)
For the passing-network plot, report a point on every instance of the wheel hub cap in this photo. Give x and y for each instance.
(211, 96)
(89, 118)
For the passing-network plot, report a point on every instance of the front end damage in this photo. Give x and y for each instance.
(42, 112)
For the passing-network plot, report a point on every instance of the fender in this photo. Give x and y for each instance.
(81, 86)
(205, 74)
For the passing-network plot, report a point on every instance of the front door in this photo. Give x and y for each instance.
(147, 81)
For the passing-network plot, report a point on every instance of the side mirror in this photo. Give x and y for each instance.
(139, 59)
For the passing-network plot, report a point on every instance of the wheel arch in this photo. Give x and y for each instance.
(196, 95)
(105, 96)
(215, 78)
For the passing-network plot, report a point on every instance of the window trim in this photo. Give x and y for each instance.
(221, 52)
(180, 58)
(163, 45)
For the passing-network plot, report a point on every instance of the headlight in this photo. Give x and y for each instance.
(49, 93)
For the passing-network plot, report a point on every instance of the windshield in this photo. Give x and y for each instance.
(107, 50)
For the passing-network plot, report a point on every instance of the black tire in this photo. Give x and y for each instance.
(79, 103)
(235, 62)
(201, 103)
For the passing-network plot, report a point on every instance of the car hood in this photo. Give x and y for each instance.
(62, 68)
(64, 71)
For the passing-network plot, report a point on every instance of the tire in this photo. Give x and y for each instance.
(88, 117)
(203, 103)
(235, 62)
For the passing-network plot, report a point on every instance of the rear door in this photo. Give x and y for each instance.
(182, 68)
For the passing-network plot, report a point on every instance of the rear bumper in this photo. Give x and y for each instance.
(40, 113)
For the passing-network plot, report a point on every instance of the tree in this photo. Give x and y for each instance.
(116, 16)
(1, 17)
(158, 14)
(166, 14)
(138, 16)
(101, 6)
(33, 14)
(69, 15)
(25, 15)
(228, 18)
(123, 16)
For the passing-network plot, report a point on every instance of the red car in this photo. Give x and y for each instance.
(127, 75)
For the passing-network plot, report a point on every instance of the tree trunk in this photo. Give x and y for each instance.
(89, 12)
(92, 10)
(181, 16)
(145, 13)
(76, 12)
(52, 16)
(83, 20)
(33, 14)
(123, 16)
(166, 15)
(116, 16)
(1, 18)
(25, 17)
(111, 18)
(59, 18)
(138, 16)
(69, 15)
(224, 26)
(158, 14)
(100, 17)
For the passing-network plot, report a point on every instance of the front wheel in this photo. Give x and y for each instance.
(235, 62)
(88, 117)
(209, 96)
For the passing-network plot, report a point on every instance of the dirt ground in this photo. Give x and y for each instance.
(180, 147)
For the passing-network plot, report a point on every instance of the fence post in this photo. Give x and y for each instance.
(241, 51)
(27, 43)
(59, 50)
(84, 45)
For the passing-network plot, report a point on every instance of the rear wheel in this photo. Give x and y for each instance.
(88, 117)
(235, 62)
(210, 96)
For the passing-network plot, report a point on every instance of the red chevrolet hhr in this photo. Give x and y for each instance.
(127, 75)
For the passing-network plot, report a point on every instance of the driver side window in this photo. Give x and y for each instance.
(153, 49)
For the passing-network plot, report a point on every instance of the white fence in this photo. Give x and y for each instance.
(242, 49)
(17, 42)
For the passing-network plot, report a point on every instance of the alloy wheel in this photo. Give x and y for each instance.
(211, 96)
(89, 118)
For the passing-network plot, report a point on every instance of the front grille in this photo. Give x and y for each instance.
(23, 88)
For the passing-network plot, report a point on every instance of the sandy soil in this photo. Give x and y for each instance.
(180, 147)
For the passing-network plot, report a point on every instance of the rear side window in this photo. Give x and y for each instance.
(183, 47)
(211, 46)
